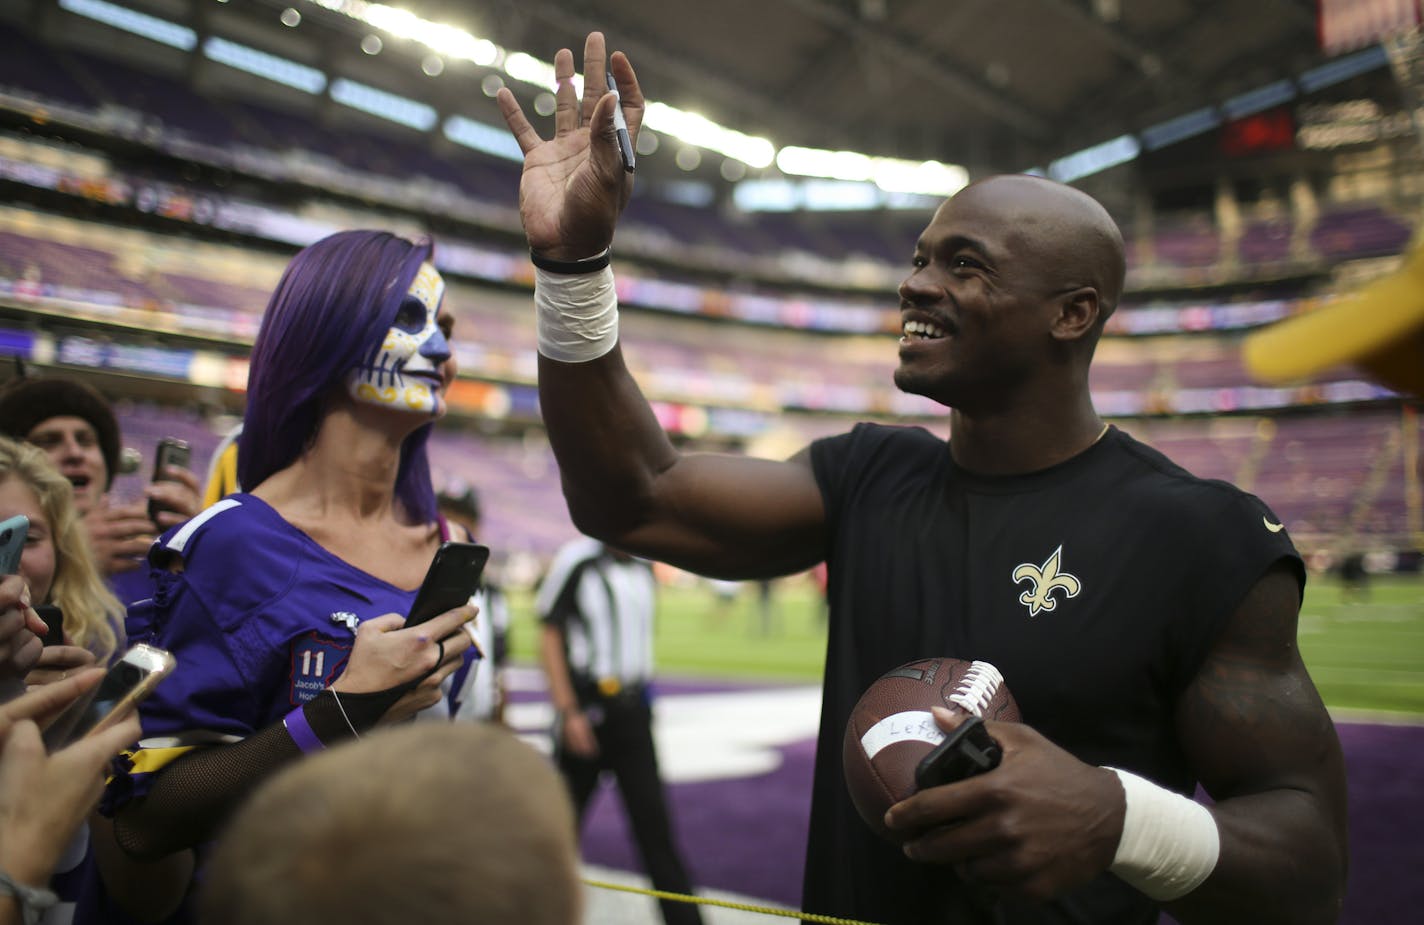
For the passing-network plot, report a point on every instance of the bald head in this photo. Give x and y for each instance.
(1069, 235)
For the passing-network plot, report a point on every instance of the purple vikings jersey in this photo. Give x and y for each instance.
(260, 618)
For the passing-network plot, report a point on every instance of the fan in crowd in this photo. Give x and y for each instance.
(285, 604)
(76, 428)
(441, 824)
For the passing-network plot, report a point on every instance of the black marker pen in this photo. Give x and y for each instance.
(625, 142)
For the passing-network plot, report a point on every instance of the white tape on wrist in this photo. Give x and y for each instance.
(577, 314)
(1169, 843)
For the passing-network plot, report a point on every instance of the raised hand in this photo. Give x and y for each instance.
(179, 496)
(574, 186)
(119, 534)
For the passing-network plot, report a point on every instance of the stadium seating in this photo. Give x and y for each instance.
(1308, 465)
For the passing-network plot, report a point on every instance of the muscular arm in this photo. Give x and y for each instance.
(1258, 738)
(625, 483)
(727, 516)
(1264, 747)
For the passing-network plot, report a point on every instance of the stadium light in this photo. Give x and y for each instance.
(1092, 160)
(699, 130)
(150, 27)
(1272, 94)
(893, 175)
(890, 174)
(1181, 128)
(382, 104)
(261, 64)
(1342, 69)
(482, 137)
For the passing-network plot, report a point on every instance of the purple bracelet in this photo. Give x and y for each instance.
(301, 731)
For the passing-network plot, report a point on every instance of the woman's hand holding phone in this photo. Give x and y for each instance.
(388, 654)
(44, 797)
(57, 663)
(21, 630)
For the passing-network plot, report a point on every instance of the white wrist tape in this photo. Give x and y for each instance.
(1169, 843)
(577, 314)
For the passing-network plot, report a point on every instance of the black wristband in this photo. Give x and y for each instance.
(328, 721)
(588, 265)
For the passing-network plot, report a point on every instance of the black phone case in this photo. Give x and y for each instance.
(966, 751)
(170, 452)
(453, 576)
(54, 619)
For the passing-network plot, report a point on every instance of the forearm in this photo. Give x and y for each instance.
(191, 798)
(609, 445)
(1280, 861)
(1263, 745)
(556, 670)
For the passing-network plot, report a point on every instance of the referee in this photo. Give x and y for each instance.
(596, 605)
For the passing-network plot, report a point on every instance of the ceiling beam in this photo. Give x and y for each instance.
(992, 102)
(1145, 60)
(734, 97)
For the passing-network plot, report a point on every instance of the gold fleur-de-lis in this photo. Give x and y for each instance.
(1045, 578)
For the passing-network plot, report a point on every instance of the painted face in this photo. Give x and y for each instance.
(412, 366)
(37, 562)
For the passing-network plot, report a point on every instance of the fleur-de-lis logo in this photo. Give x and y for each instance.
(1045, 578)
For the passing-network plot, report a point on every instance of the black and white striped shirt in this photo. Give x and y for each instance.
(604, 606)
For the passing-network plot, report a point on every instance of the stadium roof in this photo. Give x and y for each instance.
(1001, 83)
(990, 84)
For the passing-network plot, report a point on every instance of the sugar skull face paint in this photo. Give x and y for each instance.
(406, 370)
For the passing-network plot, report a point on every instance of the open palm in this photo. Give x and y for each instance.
(574, 185)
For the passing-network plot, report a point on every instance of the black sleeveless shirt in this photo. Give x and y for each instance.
(1096, 586)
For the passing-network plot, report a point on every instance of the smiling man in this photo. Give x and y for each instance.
(1143, 618)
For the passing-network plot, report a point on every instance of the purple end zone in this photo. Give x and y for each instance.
(749, 835)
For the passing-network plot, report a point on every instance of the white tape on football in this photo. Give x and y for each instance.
(910, 726)
(981, 682)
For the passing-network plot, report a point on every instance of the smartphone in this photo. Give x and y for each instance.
(54, 619)
(132, 678)
(12, 543)
(966, 751)
(453, 576)
(170, 452)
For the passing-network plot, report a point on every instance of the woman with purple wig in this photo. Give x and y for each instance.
(284, 604)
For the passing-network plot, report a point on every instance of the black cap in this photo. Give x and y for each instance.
(28, 402)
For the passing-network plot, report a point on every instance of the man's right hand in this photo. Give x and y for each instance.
(574, 185)
(119, 535)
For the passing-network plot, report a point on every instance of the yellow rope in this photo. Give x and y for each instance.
(742, 907)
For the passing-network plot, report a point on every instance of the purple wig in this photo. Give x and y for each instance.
(334, 304)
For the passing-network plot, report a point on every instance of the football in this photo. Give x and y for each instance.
(891, 727)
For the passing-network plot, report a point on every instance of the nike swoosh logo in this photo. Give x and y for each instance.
(1274, 528)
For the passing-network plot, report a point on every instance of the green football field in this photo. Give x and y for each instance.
(1363, 654)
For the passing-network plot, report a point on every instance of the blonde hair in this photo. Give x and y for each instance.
(438, 823)
(93, 617)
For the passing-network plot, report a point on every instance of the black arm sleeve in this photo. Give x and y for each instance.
(192, 797)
